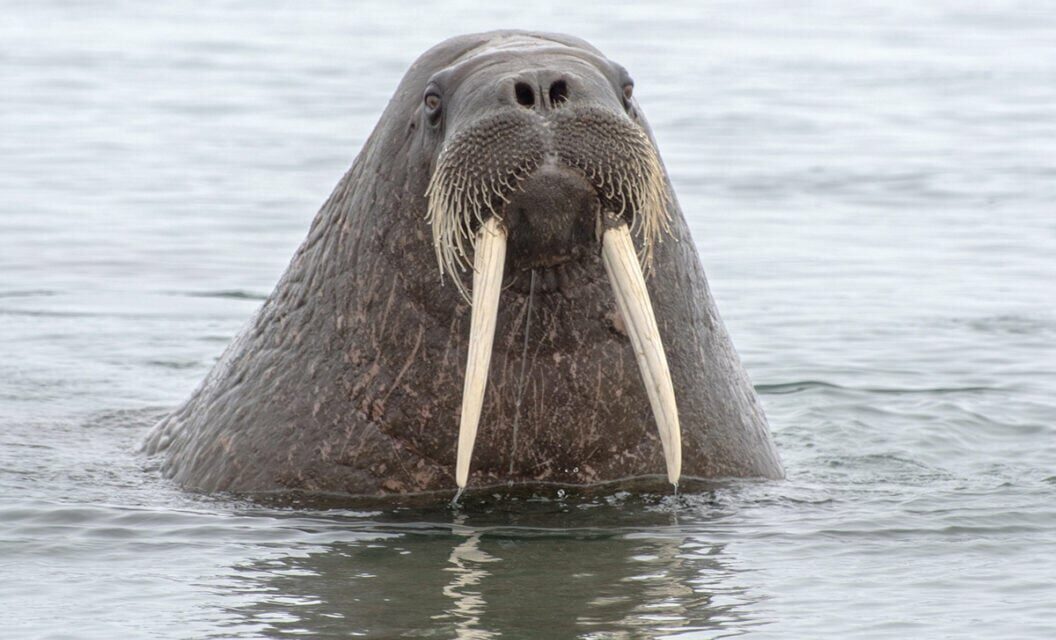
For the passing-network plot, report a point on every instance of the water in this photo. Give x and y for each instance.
(872, 190)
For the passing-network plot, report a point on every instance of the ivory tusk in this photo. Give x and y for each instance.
(488, 261)
(625, 274)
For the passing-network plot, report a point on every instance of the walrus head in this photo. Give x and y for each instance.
(540, 160)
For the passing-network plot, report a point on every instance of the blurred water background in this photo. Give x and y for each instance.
(872, 187)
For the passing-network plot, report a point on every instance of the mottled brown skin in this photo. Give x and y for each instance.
(349, 378)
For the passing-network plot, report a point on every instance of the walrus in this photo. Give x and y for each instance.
(501, 288)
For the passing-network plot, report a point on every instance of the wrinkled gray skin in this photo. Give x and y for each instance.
(349, 379)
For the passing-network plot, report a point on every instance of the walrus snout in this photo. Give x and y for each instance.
(549, 174)
(551, 219)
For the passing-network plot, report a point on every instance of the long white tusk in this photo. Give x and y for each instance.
(488, 261)
(621, 263)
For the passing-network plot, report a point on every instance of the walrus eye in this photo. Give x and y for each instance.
(432, 106)
(628, 91)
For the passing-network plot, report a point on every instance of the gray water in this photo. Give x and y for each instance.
(873, 193)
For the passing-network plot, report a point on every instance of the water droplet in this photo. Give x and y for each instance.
(560, 493)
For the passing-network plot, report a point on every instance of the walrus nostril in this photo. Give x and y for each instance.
(525, 95)
(558, 92)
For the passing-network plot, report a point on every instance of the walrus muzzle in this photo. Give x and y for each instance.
(477, 172)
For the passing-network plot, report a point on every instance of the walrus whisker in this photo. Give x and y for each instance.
(613, 153)
(620, 160)
(462, 197)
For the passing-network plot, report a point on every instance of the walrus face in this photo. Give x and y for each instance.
(545, 138)
(539, 160)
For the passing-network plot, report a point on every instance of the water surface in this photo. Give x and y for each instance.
(872, 191)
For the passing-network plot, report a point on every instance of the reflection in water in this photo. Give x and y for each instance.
(666, 599)
(623, 571)
(467, 560)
